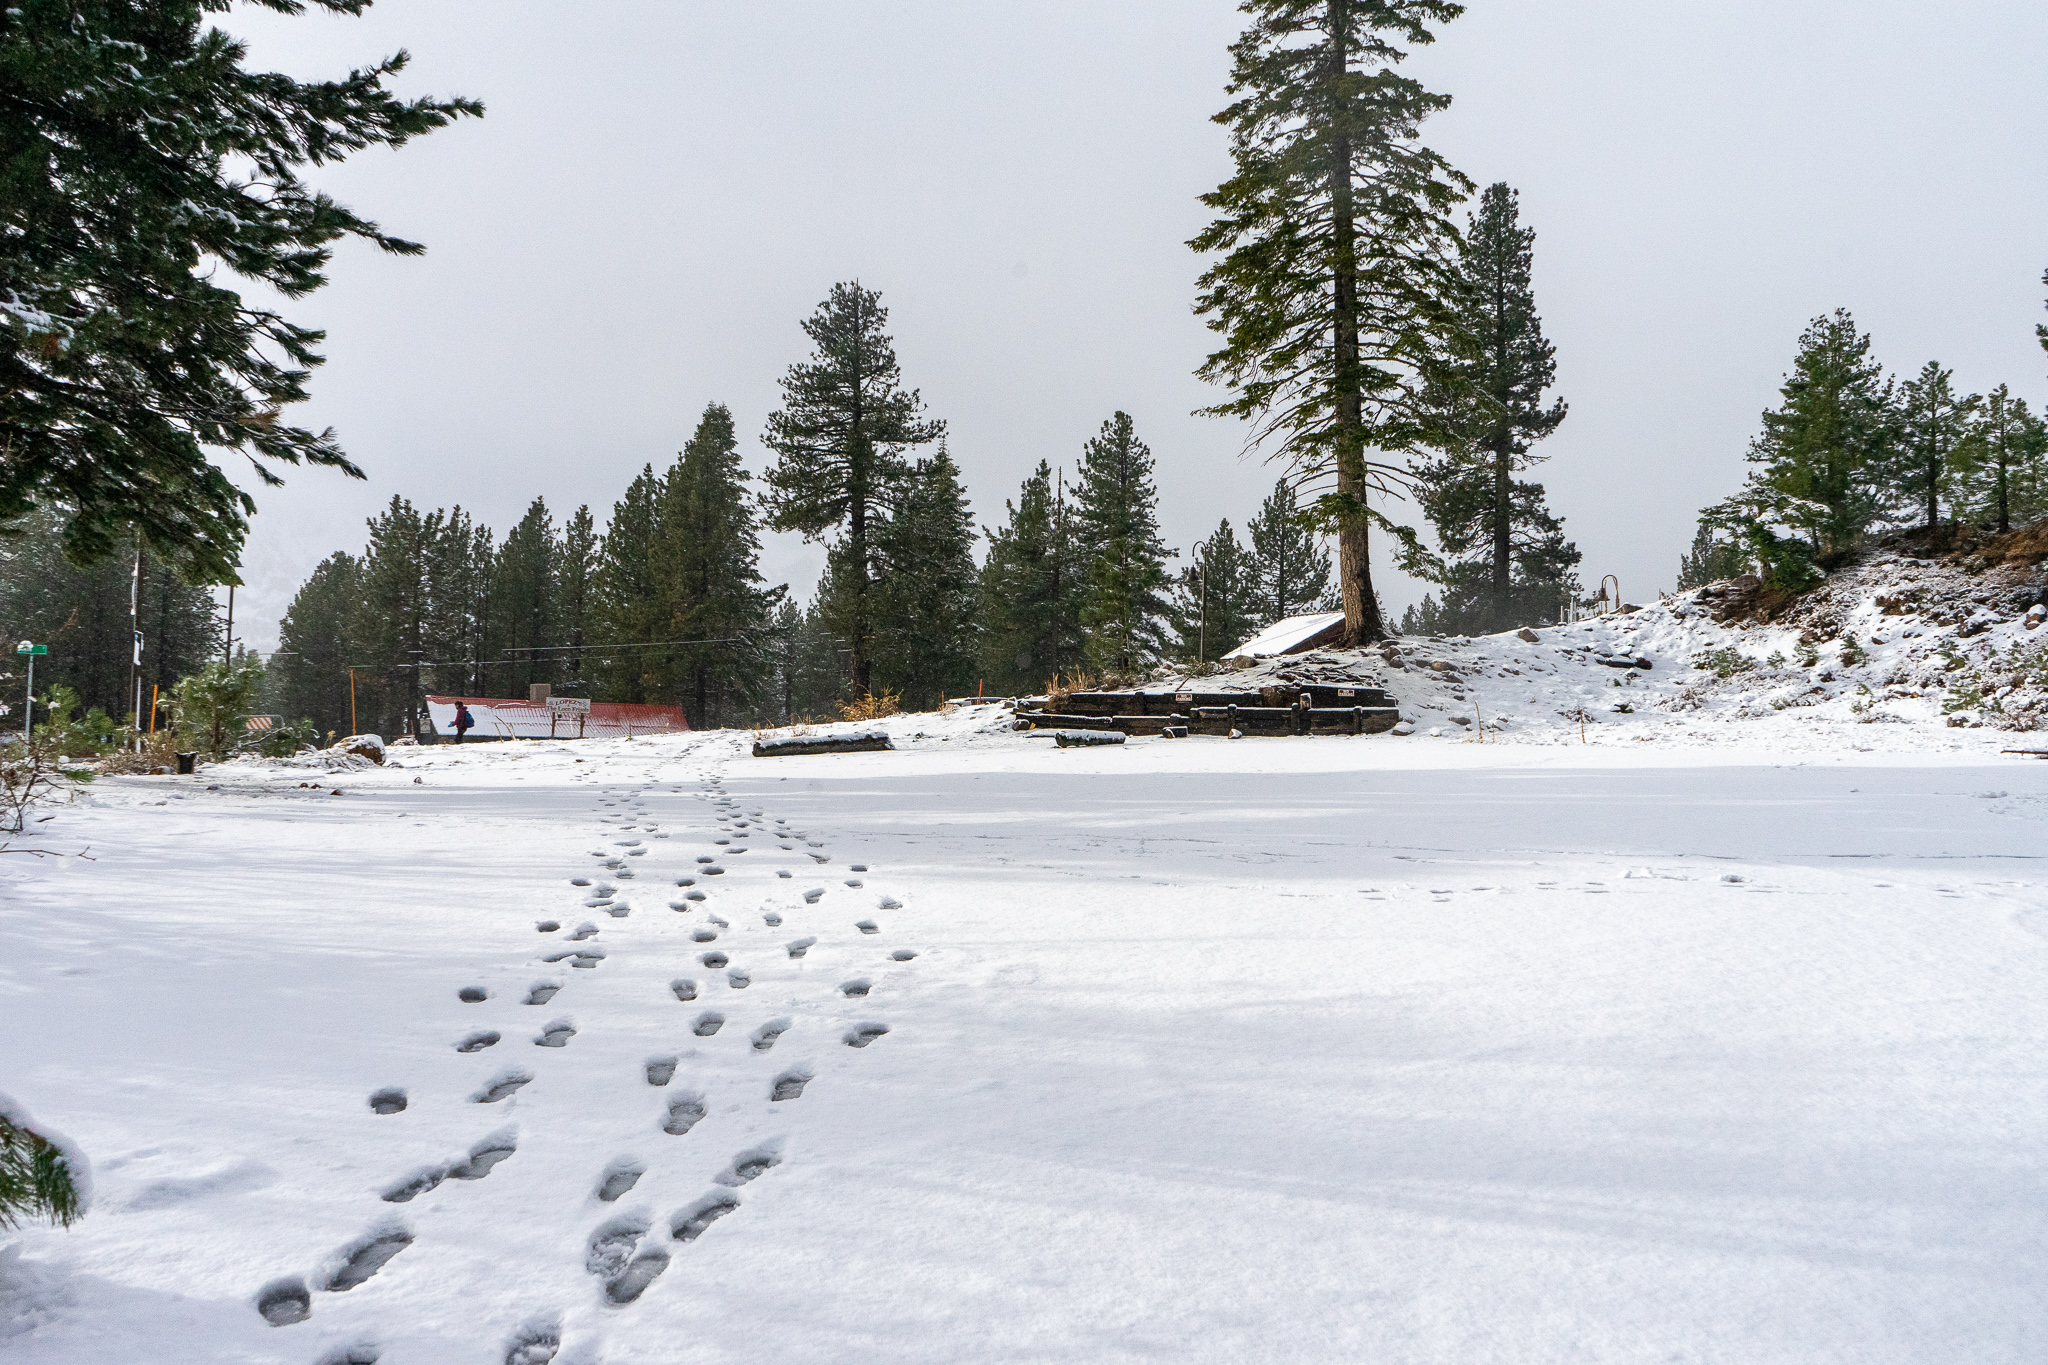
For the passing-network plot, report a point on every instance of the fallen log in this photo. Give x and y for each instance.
(1084, 739)
(793, 745)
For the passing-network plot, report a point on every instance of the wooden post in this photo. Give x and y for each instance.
(353, 728)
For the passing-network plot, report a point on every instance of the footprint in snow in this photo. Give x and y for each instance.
(867, 926)
(611, 1258)
(863, 1034)
(583, 931)
(749, 1165)
(542, 992)
(556, 1034)
(284, 1302)
(854, 882)
(782, 871)
(739, 979)
(415, 1185)
(693, 895)
(707, 1024)
(765, 1036)
(902, 955)
(790, 1085)
(390, 1100)
(362, 1353)
(811, 896)
(687, 1225)
(501, 1087)
(713, 870)
(684, 988)
(548, 926)
(855, 988)
(889, 903)
(661, 1070)
(477, 1042)
(367, 1257)
(798, 947)
(483, 1158)
(856, 867)
(703, 935)
(472, 995)
(535, 1344)
(684, 1113)
(714, 960)
(619, 911)
(771, 919)
(619, 1177)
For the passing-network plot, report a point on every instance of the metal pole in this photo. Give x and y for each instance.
(135, 625)
(352, 726)
(230, 657)
(28, 712)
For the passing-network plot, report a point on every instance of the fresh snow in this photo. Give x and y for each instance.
(1708, 1038)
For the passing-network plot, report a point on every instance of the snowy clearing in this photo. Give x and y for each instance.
(1402, 1050)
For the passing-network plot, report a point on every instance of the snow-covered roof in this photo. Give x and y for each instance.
(1289, 635)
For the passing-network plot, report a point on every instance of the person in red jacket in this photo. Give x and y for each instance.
(463, 722)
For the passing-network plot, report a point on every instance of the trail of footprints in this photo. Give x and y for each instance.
(620, 1253)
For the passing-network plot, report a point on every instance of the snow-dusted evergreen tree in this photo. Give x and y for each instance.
(927, 639)
(391, 621)
(1123, 610)
(459, 558)
(2006, 479)
(523, 620)
(1333, 247)
(36, 1179)
(575, 600)
(308, 676)
(1031, 591)
(1215, 598)
(1822, 470)
(1710, 560)
(805, 674)
(144, 169)
(626, 607)
(1290, 564)
(706, 566)
(841, 443)
(1934, 425)
(1504, 560)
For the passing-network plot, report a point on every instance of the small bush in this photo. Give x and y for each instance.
(35, 1179)
(871, 706)
(1724, 662)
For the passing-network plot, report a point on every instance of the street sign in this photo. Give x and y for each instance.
(26, 648)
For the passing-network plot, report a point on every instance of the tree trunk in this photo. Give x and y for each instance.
(1362, 624)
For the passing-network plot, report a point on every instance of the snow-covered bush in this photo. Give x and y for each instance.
(41, 1176)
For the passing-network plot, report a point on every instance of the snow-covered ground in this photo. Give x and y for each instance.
(1337, 1049)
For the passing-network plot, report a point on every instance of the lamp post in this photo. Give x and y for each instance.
(28, 711)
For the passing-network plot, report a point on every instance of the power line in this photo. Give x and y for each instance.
(549, 649)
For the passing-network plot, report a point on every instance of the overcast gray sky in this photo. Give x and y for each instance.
(663, 189)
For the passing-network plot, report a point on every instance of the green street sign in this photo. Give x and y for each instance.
(26, 648)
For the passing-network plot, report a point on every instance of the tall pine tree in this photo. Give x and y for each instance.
(1290, 568)
(575, 600)
(459, 560)
(308, 676)
(142, 168)
(628, 611)
(2008, 469)
(1123, 610)
(706, 571)
(1822, 469)
(1031, 591)
(1934, 424)
(1504, 561)
(391, 621)
(1215, 598)
(523, 597)
(1335, 258)
(926, 641)
(840, 442)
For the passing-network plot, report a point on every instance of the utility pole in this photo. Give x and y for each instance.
(229, 657)
(135, 626)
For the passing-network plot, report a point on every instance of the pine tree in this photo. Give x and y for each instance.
(1116, 523)
(1031, 591)
(1823, 464)
(1933, 435)
(390, 621)
(840, 442)
(707, 575)
(1710, 560)
(308, 676)
(1504, 561)
(575, 583)
(137, 158)
(1290, 568)
(456, 646)
(626, 604)
(1215, 598)
(2008, 474)
(523, 592)
(926, 641)
(1335, 238)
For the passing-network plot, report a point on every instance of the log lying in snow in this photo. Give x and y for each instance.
(1081, 739)
(1129, 725)
(1122, 704)
(1294, 720)
(867, 742)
